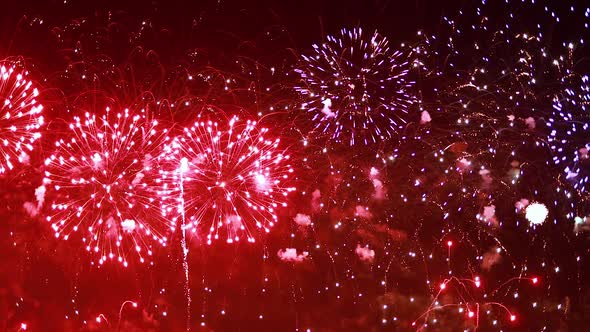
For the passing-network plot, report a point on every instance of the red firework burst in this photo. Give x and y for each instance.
(232, 178)
(104, 182)
(20, 117)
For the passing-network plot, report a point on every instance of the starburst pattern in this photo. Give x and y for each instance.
(103, 181)
(355, 87)
(20, 116)
(234, 178)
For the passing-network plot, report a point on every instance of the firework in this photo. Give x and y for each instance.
(233, 178)
(470, 305)
(418, 235)
(103, 181)
(20, 118)
(536, 213)
(356, 88)
(489, 104)
(570, 132)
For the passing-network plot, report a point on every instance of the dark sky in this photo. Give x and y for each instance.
(305, 20)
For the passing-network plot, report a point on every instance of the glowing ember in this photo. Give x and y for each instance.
(536, 213)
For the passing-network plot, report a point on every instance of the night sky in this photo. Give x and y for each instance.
(294, 165)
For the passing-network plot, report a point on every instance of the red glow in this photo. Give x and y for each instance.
(470, 314)
(114, 215)
(450, 243)
(512, 318)
(535, 280)
(241, 174)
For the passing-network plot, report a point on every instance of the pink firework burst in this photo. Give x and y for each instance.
(356, 88)
(104, 182)
(232, 178)
(20, 117)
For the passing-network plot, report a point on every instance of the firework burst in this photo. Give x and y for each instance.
(103, 181)
(356, 88)
(233, 178)
(569, 133)
(20, 117)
